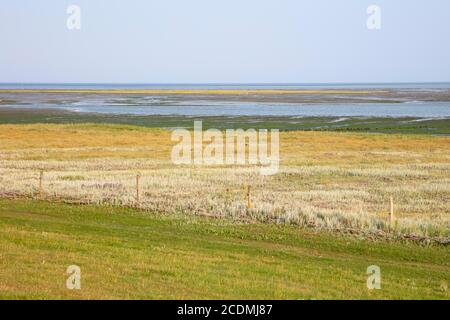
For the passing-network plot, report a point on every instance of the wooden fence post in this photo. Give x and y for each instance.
(249, 201)
(41, 177)
(391, 213)
(137, 189)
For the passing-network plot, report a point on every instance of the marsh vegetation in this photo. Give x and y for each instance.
(332, 181)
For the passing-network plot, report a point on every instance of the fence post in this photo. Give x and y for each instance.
(249, 201)
(391, 213)
(41, 177)
(137, 189)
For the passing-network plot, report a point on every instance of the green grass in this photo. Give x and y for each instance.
(125, 253)
(283, 123)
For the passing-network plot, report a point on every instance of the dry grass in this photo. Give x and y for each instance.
(327, 180)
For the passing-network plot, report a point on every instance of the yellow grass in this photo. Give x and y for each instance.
(326, 180)
(296, 147)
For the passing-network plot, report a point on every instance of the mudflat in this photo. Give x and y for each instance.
(259, 95)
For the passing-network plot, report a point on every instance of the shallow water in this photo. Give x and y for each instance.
(187, 106)
(432, 109)
(157, 106)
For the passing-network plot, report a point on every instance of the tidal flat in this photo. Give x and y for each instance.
(372, 110)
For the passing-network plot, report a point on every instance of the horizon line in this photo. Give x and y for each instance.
(223, 83)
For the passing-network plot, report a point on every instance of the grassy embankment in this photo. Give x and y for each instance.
(125, 253)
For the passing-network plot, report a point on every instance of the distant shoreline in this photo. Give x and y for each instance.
(194, 91)
(245, 94)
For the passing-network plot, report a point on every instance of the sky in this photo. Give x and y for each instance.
(224, 41)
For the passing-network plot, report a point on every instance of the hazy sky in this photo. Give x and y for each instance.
(225, 41)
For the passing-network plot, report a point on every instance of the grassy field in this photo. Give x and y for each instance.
(331, 181)
(125, 253)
